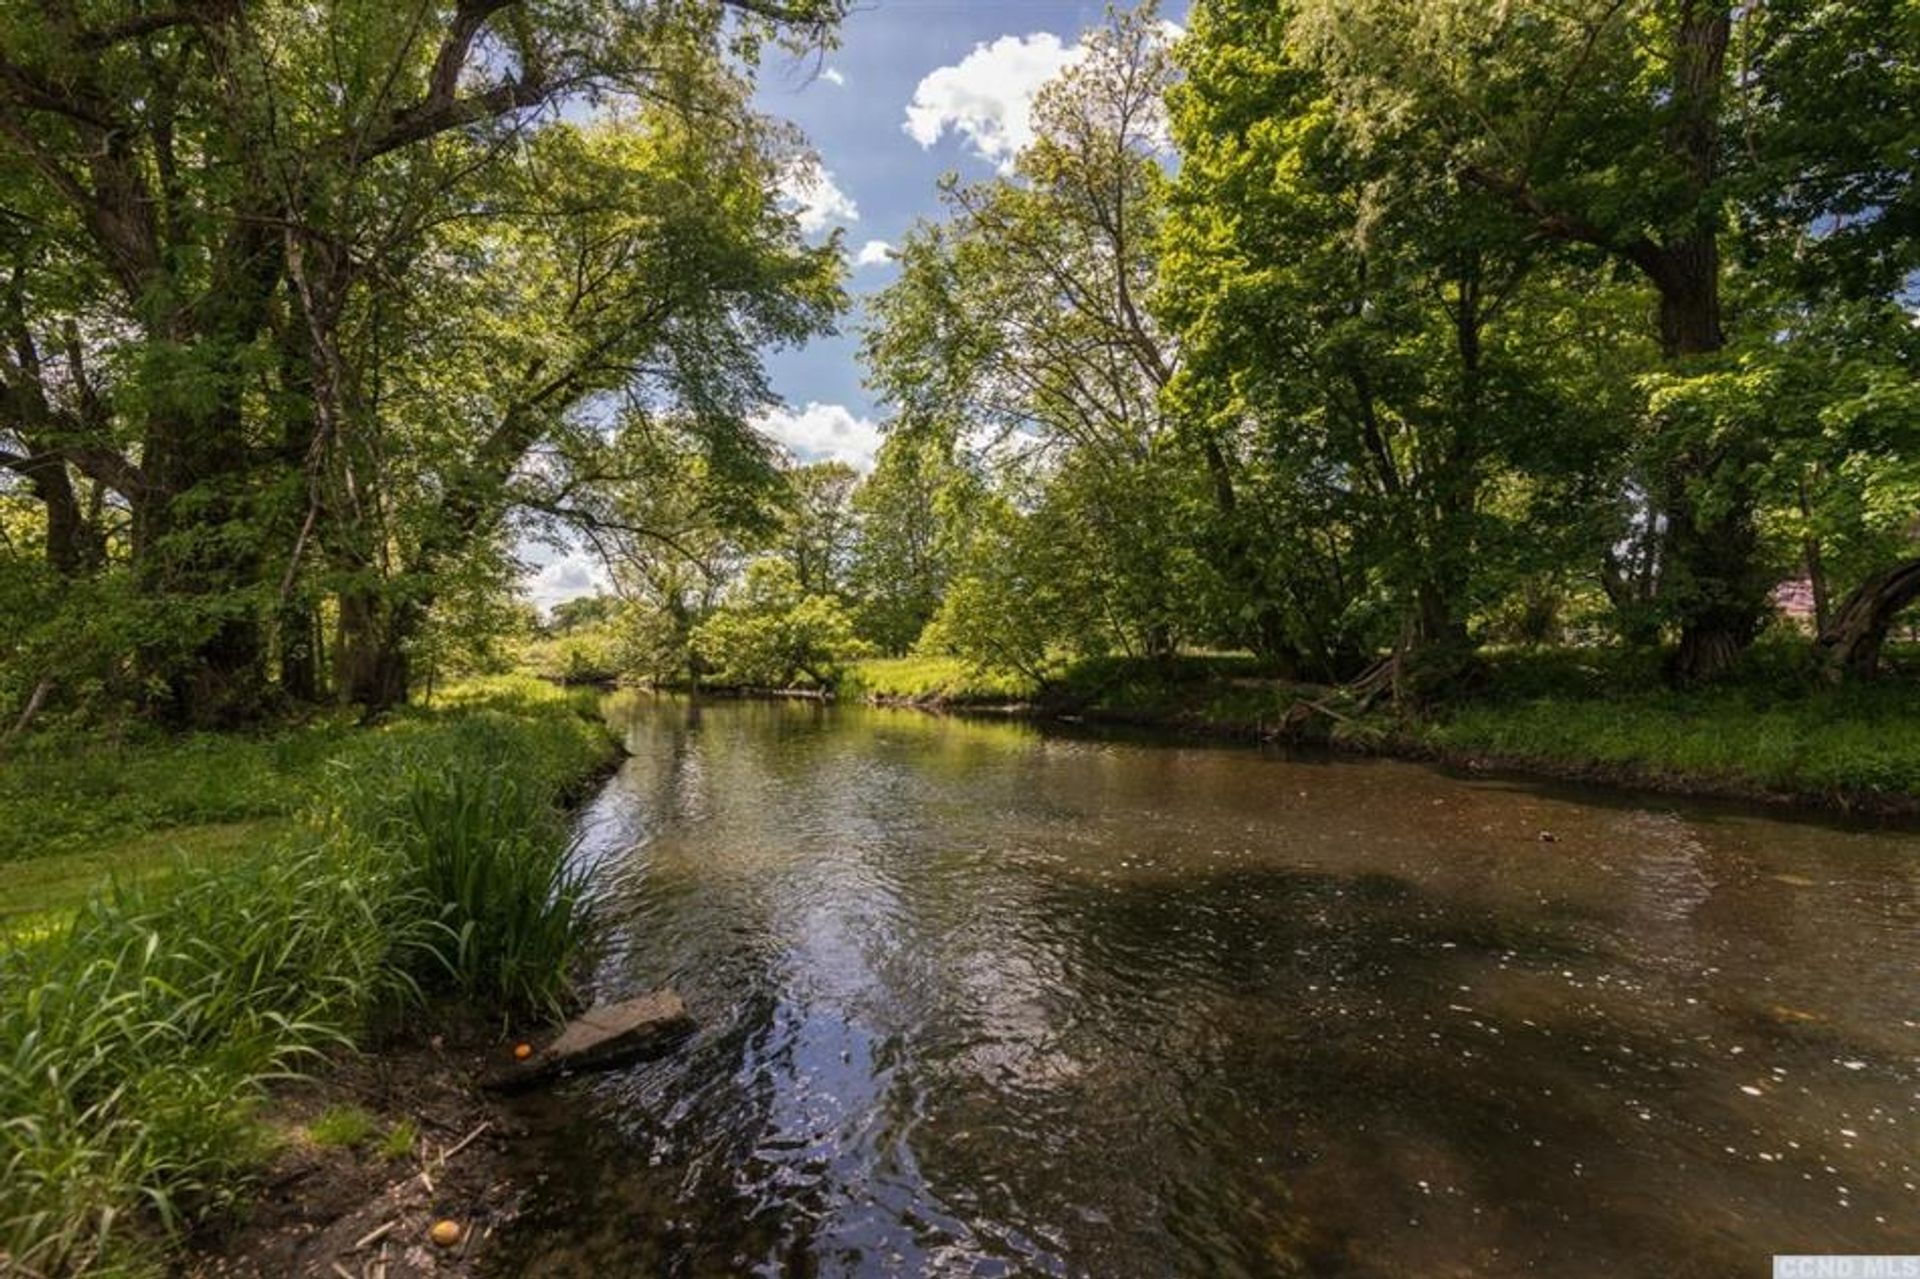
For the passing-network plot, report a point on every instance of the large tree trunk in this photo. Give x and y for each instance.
(1721, 592)
(1435, 658)
(300, 652)
(200, 552)
(1713, 575)
(1850, 645)
(196, 562)
(1710, 559)
(373, 667)
(74, 544)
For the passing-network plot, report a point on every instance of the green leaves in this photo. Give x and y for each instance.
(1018, 345)
(335, 274)
(771, 631)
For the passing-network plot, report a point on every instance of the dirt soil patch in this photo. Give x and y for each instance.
(364, 1209)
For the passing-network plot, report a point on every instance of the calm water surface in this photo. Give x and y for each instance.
(977, 999)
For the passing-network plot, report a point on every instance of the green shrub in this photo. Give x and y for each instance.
(771, 632)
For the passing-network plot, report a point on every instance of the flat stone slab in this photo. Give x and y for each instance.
(603, 1037)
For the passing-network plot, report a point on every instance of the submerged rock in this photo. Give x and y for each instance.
(603, 1037)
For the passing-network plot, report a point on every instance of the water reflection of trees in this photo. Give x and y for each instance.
(974, 990)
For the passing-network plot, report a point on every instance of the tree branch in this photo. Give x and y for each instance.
(1563, 224)
(144, 24)
(442, 109)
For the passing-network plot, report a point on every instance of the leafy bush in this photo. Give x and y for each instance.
(772, 632)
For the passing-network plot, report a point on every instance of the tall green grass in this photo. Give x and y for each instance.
(137, 1043)
(473, 834)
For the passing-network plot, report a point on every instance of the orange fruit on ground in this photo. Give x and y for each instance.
(522, 1051)
(445, 1233)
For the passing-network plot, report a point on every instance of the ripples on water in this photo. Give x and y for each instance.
(980, 1000)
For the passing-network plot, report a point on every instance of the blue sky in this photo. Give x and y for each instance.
(916, 89)
(853, 105)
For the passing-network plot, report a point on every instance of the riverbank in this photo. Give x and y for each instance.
(367, 1158)
(1601, 716)
(381, 909)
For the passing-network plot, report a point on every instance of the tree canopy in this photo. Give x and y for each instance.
(1364, 334)
(307, 304)
(1357, 334)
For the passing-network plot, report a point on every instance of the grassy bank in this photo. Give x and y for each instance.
(421, 861)
(78, 812)
(1601, 714)
(67, 793)
(1772, 732)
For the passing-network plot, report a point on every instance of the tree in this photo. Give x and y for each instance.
(1845, 390)
(649, 268)
(771, 630)
(674, 512)
(1359, 332)
(1623, 131)
(1018, 599)
(1019, 329)
(913, 512)
(819, 536)
(226, 220)
(581, 613)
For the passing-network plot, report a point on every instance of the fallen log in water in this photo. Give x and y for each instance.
(602, 1037)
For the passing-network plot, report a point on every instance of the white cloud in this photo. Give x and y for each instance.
(809, 189)
(874, 253)
(832, 76)
(824, 431)
(987, 98)
(569, 577)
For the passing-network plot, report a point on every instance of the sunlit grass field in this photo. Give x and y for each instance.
(1774, 726)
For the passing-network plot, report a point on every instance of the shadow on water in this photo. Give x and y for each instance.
(978, 999)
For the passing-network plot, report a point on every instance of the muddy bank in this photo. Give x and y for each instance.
(365, 1208)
